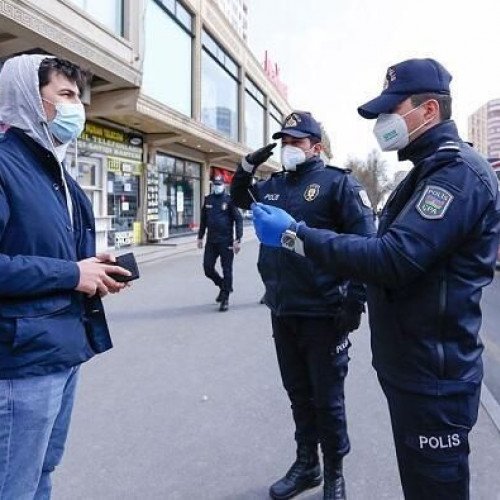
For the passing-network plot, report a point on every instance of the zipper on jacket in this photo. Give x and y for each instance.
(443, 292)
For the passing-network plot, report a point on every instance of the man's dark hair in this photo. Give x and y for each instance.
(55, 65)
(444, 101)
(314, 140)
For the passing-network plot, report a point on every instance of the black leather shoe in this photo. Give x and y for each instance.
(305, 473)
(334, 488)
(220, 296)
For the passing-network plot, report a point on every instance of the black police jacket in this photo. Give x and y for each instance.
(434, 252)
(221, 219)
(323, 197)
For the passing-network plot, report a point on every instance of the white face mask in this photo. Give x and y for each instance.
(391, 130)
(291, 156)
(218, 189)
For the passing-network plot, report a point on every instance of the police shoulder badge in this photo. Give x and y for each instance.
(434, 202)
(311, 192)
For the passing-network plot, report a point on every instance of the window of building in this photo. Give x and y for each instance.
(108, 12)
(179, 195)
(255, 115)
(168, 55)
(219, 89)
(275, 125)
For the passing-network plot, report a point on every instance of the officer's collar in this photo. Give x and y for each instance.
(311, 164)
(429, 142)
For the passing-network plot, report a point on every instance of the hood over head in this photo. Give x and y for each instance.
(20, 100)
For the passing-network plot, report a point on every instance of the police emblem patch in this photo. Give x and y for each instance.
(292, 120)
(434, 202)
(311, 192)
(363, 195)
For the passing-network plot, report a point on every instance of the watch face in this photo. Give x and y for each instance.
(288, 241)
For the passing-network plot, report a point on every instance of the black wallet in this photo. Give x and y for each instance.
(128, 262)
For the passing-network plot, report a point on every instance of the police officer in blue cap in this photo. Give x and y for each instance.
(312, 310)
(222, 221)
(434, 252)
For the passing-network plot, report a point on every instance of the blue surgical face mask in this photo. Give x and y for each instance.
(69, 121)
(218, 189)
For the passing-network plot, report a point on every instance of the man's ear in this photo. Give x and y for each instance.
(431, 109)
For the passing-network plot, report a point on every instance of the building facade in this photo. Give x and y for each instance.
(484, 129)
(236, 12)
(176, 95)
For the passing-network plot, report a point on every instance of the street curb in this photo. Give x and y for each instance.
(491, 406)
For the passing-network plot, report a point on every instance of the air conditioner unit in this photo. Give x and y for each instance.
(157, 230)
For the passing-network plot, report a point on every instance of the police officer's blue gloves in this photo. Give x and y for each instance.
(253, 160)
(270, 223)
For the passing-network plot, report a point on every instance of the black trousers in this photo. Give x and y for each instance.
(431, 439)
(212, 252)
(313, 360)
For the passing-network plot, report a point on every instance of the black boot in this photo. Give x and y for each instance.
(303, 474)
(220, 296)
(224, 303)
(334, 487)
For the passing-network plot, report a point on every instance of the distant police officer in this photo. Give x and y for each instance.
(312, 311)
(224, 225)
(434, 252)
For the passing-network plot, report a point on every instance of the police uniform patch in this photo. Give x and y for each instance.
(434, 202)
(311, 192)
(292, 120)
(363, 196)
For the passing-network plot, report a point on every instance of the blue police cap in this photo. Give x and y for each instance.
(407, 78)
(299, 124)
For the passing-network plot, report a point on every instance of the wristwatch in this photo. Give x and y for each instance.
(291, 241)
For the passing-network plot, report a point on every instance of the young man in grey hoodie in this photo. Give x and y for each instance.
(51, 281)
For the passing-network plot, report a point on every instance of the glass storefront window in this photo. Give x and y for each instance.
(108, 12)
(167, 59)
(179, 195)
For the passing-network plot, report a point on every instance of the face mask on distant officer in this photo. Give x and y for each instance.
(291, 156)
(392, 132)
(218, 189)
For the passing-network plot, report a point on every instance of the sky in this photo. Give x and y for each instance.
(333, 55)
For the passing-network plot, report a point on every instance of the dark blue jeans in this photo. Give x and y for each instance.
(35, 414)
(212, 252)
(431, 439)
(313, 358)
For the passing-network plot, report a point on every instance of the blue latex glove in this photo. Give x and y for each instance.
(270, 223)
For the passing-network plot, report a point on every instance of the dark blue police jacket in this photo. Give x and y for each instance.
(45, 325)
(323, 197)
(220, 218)
(434, 252)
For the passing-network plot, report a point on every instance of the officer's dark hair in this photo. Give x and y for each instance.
(314, 140)
(444, 101)
(61, 66)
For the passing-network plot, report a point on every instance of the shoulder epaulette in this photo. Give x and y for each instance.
(343, 170)
(449, 146)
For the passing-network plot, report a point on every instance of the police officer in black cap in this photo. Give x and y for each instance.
(434, 252)
(224, 225)
(312, 310)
